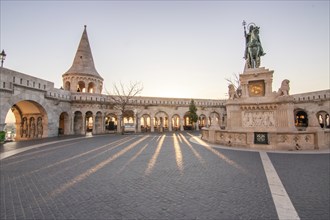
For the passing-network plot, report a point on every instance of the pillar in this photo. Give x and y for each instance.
(181, 124)
(84, 124)
(119, 123)
(138, 124)
(94, 131)
(152, 124)
(72, 124)
(170, 124)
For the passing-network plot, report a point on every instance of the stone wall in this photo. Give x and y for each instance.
(276, 141)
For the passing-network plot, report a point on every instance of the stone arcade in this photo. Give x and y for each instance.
(254, 117)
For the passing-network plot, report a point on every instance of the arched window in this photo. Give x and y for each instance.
(91, 87)
(81, 87)
(301, 119)
(67, 86)
(323, 119)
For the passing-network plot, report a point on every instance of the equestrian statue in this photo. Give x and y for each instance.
(253, 48)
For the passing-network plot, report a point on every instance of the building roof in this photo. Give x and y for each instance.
(83, 62)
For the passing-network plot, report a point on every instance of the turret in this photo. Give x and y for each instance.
(82, 75)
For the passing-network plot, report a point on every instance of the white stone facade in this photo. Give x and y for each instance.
(266, 119)
(290, 121)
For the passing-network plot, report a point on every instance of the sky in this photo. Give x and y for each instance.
(181, 49)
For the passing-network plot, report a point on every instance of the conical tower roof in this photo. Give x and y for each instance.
(83, 62)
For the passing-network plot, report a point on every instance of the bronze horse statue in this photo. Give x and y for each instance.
(254, 49)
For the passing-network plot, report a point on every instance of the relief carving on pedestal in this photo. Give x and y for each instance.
(258, 119)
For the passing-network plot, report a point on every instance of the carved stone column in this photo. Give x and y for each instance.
(84, 124)
(94, 131)
(181, 123)
(152, 123)
(170, 124)
(119, 117)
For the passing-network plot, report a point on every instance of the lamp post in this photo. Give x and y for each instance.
(2, 57)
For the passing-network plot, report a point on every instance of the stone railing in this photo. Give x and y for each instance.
(10, 78)
(312, 96)
(147, 101)
(306, 140)
(59, 94)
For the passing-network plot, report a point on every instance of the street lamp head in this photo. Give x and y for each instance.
(3, 55)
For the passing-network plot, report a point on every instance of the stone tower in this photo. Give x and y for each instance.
(82, 75)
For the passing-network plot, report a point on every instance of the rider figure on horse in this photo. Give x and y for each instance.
(253, 47)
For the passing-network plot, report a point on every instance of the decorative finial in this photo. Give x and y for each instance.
(85, 26)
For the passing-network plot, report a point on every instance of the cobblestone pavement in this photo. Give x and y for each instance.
(155, 176)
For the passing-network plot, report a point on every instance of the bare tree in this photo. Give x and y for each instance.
(234, 81)
(122, 96)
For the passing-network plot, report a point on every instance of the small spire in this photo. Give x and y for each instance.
(83, 62)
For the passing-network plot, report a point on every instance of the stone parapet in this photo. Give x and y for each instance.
(10, 78)
(323, 95)
(299, 140)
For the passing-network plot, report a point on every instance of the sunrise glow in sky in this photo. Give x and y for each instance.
(181, 49)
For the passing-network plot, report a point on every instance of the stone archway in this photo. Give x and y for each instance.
(111, 122)
(31, 120)
(81, 86)
(323, 119)
(301, 119)
(145, 123)
(176, 124)
(67, 86)
(187, 125)
(128, 116)
(91, 87)
(202, 119)
(214, 118)
(161, 121)
(89, 122)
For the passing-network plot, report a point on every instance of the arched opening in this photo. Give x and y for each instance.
(145, 123)
(323, 119)
(91, 87)
(128, 116)
(175, 122)
(78, 123)
(202, 121)
(301, 119)
(81, 87)
(187, 124)
(67, 86)
(161, 122)
(89, 121)
(110, 122)
(10, 127)
(214, 119)
(129, 124)
(26, 120)
(64, 123)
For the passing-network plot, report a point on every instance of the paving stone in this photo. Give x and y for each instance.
(105, 178)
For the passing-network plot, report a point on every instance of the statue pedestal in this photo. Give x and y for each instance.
(256, 82)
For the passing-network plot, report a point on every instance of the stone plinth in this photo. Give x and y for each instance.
(263, 119)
